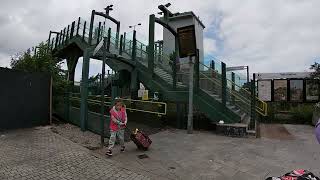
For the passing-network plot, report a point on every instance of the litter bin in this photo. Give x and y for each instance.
(156, 96)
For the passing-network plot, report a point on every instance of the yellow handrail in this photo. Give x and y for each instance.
(263, 111)
(97, 102)
(147, 102)
(243, 99)
(264, 108)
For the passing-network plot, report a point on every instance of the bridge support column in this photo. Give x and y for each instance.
(72, 61)
(134, 85)
(181, 115)
(114, 90)
(151, 43)
(233, 87)
(175, 64)
(197, 73)
(253, 103)
(102, 81)
(84, 90)
(224, 84)
(213, 75)
(134, 74)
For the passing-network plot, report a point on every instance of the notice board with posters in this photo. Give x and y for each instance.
(312, 90)
(280, 89)
(264, 90)
(187, 41)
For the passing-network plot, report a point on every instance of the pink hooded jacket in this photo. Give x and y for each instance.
(117, 116)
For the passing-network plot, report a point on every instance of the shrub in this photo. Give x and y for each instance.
(302, 114)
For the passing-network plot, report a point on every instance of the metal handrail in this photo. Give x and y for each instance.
(97, 102)
(232, 92)
(235, 95)
(150, 102)
(264, 104)
(262, 111)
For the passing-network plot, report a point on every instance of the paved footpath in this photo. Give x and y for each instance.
(39, 153)
(174, 154)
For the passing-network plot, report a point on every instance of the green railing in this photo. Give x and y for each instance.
(79, 28)
(94, 104)
(210, 77)
(236, 95)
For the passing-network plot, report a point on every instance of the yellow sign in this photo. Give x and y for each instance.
(145, 95)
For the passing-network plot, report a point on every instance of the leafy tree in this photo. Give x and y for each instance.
(316, 68)
(42, 61)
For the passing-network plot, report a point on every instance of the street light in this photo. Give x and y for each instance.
(165, 11)
(167, 5)
(108, 9)
(134, 26)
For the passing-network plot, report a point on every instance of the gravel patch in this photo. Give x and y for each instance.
(74, 133)
(91, 140)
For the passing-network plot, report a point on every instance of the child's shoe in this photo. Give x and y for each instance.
(122, 149)
(109, 152)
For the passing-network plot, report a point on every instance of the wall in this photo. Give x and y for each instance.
(24, 99)
(169, 40)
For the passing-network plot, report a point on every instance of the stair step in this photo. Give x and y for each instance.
(237, 111)
(246, 119)
(233, 130)
(215, 95)
(243, 116)
(231, 107)
(251, 133)
(164, 76)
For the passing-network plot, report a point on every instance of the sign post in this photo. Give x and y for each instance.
(190, 113)
(188, 48)
(102, 120)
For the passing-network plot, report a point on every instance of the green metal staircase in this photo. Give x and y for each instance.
(216, 96)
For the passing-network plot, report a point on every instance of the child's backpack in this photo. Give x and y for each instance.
(299, 174)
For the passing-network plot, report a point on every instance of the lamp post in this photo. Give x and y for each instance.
(108, 9)
(134, 26)
(106, 16)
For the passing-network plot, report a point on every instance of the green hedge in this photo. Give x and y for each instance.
(302, 114)
(289, 113)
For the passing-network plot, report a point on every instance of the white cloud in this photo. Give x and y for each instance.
(267, 35)
(271, 36)
(4, 60)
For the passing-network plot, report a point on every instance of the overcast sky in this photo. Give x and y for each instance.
(267, 35)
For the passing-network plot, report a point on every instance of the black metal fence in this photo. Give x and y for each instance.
(24, 99)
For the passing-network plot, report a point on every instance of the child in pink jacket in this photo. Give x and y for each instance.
(118, 122)
(317, 131)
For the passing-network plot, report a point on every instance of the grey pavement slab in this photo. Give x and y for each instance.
(203, 155)
(41, 154)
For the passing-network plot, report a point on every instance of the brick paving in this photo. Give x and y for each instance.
(39, 153)
(43, 154)
(174, 154)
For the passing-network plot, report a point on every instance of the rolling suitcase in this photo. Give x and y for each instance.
(299, 174)
(142, 140)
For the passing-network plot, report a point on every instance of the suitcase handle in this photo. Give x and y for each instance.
(127, 129)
